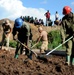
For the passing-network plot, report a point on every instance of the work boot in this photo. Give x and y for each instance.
(73, 61)
(30, 57)
(16, 56)
(68, 60)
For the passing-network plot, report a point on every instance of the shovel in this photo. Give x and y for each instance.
(26, 46)
(36, 55)
(43, 56)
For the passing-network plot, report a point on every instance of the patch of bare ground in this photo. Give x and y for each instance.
(55, 65)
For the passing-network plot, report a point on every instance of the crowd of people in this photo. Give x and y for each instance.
(23, 31)
(35, 20)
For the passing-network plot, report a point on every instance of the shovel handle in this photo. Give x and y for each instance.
(22, 44)
(27, 47)
(59, 45)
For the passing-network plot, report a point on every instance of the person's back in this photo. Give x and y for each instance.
(44, 35)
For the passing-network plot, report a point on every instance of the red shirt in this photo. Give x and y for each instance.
(47, 15)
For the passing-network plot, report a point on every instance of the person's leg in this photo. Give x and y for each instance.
(69, 50)
(7, 42)
(17, 50)
(28, 52)
(44, 46)
(72, 53)
(3, 40)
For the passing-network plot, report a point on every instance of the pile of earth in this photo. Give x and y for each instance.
(24, 66)
(34, 29)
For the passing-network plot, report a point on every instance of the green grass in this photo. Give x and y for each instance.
(54, 38)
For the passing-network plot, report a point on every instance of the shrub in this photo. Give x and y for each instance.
(54, 38)
(13, 44)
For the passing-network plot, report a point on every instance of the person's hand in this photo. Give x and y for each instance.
(14, 38)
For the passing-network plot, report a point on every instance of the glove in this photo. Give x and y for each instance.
(62, 40)
(14, 38)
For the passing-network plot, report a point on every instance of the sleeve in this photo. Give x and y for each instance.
(27, 26)
(14, 31)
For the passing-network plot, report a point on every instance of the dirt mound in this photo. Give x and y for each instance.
(55, 65)
(33, 27)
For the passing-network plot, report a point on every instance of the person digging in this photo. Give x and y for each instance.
(23, 32)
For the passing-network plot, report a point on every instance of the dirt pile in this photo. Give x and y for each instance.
(55, 65)
(33, 27)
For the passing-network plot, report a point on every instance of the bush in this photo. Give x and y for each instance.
(13, 44)
(54, 38)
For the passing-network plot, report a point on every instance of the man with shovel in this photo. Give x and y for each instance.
(67, 30)
(6, 33)
(23, 31)
(43, 37)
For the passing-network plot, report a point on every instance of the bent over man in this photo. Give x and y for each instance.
(23, 31)
(6, 34)
(67, 30)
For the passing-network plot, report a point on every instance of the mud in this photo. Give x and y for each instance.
(23, 66)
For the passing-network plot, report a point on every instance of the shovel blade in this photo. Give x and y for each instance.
(42, 57)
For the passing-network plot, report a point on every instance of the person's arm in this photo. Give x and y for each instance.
(14, 32)
(63, 32)
(10, 29)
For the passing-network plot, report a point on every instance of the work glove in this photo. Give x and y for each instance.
(63, 41)
(14, 38)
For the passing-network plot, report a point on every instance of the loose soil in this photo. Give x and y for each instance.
(24, 66)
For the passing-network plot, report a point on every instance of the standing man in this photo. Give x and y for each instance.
(56, 16)
(67, 30)
(43, 37)
(6, 33)
(23, 31)
(47, 14)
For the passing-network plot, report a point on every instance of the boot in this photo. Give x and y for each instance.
(29, 55)
(68, 60)
(73, 61)
(16, 56)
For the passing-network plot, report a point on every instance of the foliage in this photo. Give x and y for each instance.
(54, 38)
(13, 44)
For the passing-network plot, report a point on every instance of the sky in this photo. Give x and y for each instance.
(13, 9)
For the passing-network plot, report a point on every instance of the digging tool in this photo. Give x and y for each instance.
(37, 56)
(27, 47)
(43, 56)
(59, 45)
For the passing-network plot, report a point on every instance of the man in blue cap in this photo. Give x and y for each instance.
(24, 35)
